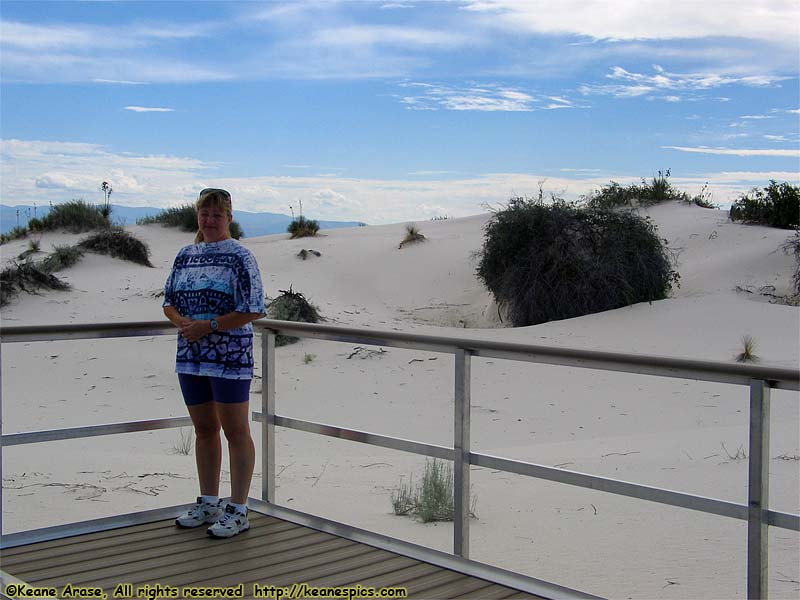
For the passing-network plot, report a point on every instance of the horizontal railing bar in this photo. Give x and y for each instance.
(364, 437)
(614, 486)
(778, 377)
(783, 520)
(83, 331)
(74, 433)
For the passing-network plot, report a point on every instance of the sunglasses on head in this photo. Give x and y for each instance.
(221, 192)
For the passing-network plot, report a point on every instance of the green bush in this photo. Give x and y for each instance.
(777, 205)
(117, 242)
(548, 262)
(76, 215)
(184, 218)
(302, 227)
(645, 194)
(26, 277)
(61, 258)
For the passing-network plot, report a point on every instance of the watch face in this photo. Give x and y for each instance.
(214, 324)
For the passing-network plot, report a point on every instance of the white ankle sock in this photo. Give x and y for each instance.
(242, 508)
(210, 499)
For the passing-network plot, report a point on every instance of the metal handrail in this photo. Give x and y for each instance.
(759, 378)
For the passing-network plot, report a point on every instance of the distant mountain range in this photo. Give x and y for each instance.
(254, 224)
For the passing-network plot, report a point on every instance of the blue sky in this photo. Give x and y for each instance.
(393, 111)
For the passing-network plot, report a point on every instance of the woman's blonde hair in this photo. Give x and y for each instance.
(213, 198)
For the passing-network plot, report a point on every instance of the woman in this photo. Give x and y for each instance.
(212, 294)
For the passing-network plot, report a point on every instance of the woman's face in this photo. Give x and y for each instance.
(214, 223)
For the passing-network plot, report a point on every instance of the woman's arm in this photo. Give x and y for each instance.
(195, 330)
(175, 317)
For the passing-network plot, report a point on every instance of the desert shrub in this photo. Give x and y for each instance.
(302, 227)
(36, 224)
(184, 218)
(291, 306)
(76, 215)
(777, 205)
(61, 258)
(558, 261)
(34, 247)
(117, 242)
(432, 499)
(26, 277)
(413, 235)
(644, 194)
(14, 234)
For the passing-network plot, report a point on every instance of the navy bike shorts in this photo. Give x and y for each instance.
(199, 389)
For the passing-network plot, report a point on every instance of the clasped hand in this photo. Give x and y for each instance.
(194, 331)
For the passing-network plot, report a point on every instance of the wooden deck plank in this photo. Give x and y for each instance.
(174, 538)
(120, 535)
(273, 552)
(204, 554)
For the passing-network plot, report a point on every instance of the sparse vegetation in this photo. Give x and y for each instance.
(291, 306)
(117, 242)
(14, 234)
(184, 444)
(302, 227)
(184, 218)
(76, 215)
(413, 235)
(33, 248)
(61, 258)
(308, 358)
(748, 353)
(432, 499)
(703, 199)
(26, 277)
(740, 454)
(558, 261)
(777, 205)
(657, 191)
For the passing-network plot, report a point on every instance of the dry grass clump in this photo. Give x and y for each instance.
(61, 257)
(413, 235)
(27, 277)
(748, 353)
(432, 499)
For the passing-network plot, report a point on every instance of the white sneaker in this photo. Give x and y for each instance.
(200, 514)
(230, 524)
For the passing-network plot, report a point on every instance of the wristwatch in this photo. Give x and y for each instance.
(214, 325)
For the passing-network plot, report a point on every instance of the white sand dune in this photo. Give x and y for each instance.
(671, 433)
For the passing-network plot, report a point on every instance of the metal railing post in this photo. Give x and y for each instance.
(758, 492)
(461, 446)
(268, 412)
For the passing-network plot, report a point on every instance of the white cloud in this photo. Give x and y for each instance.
(145, 109)
(736, 151)
(776, 138)
(794, 111)
(119, 82)
(756, 117)
(640, 84)
(767, 20)
(487, 97)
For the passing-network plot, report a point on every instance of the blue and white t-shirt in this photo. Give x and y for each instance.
(209, 280)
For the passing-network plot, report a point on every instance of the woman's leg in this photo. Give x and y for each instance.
(236, 425)
(208, 446)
